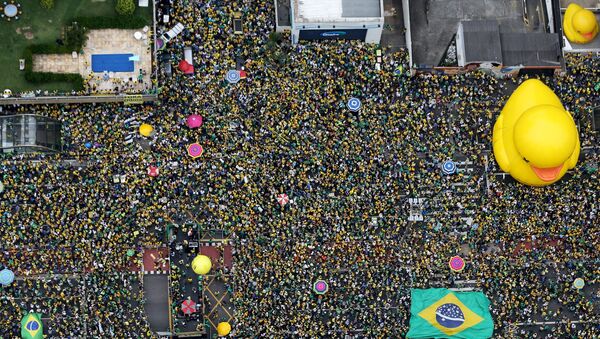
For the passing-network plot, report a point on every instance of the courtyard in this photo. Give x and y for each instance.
(37, 25)
(105, 41)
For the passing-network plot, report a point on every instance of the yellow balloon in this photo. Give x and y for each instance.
(535, 138)
(146, 130)
(579, 24)
(223, 329)
(201, 264)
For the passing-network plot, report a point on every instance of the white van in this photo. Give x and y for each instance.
(167, 36)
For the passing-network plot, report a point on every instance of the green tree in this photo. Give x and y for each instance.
(275, 37)
(75, 36)
(47, 4)
(125, 7)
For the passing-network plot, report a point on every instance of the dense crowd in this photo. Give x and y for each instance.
(286, 129)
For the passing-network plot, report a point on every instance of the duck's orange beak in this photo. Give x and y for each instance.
(588, 36)
(547, 174)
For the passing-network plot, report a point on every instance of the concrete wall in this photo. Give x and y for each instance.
(460, 46)
(406, 17)
(374, 35)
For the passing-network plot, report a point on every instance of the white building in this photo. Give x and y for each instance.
(337, 19)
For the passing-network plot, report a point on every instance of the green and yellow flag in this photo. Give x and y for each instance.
(441, 313)
(31, 326)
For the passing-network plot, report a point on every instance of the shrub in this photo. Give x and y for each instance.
(125, 7)
(104, 22)
(47, 4)
(42, 77)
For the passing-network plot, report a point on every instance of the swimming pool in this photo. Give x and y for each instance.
(112, 63)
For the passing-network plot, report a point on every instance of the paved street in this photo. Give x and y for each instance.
(157, 304)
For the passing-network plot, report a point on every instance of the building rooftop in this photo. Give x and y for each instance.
(307, 11)
(29, 133)
(583, 3)
(530, 49)
(433, 23)
(483, 40)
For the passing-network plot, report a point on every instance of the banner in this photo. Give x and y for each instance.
(441, 313)
(347, 34)
(31, 326)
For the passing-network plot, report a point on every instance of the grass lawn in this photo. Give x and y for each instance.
(45, 27)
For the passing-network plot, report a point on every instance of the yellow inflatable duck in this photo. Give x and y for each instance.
(535, 138)
(579, 24)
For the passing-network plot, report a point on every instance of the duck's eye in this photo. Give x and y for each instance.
(525, 159)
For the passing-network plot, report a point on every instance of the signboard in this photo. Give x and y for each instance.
(322, 34)
(133, 99)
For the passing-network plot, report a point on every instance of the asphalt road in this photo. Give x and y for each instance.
(157, 302)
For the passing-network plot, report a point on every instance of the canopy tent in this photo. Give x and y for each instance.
(578, 283)
(195, 150)
(283, 199)
(449, 167)
(233, 76)
(188, 307)
(185, 67)
(320, 286)
(456, 263)
(354, 104)
(153, 171)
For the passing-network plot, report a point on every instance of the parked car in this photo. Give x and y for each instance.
(173, 32)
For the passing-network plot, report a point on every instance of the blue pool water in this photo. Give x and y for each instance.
(112, 63)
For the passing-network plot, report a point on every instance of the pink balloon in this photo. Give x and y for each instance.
(194, 121)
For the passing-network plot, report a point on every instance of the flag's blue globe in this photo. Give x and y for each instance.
(32, 325)
(449, 315)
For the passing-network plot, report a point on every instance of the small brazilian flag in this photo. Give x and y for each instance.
(31, 326)
(441, 313)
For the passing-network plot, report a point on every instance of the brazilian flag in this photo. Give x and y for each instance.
(441, 313)
(31, 326)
